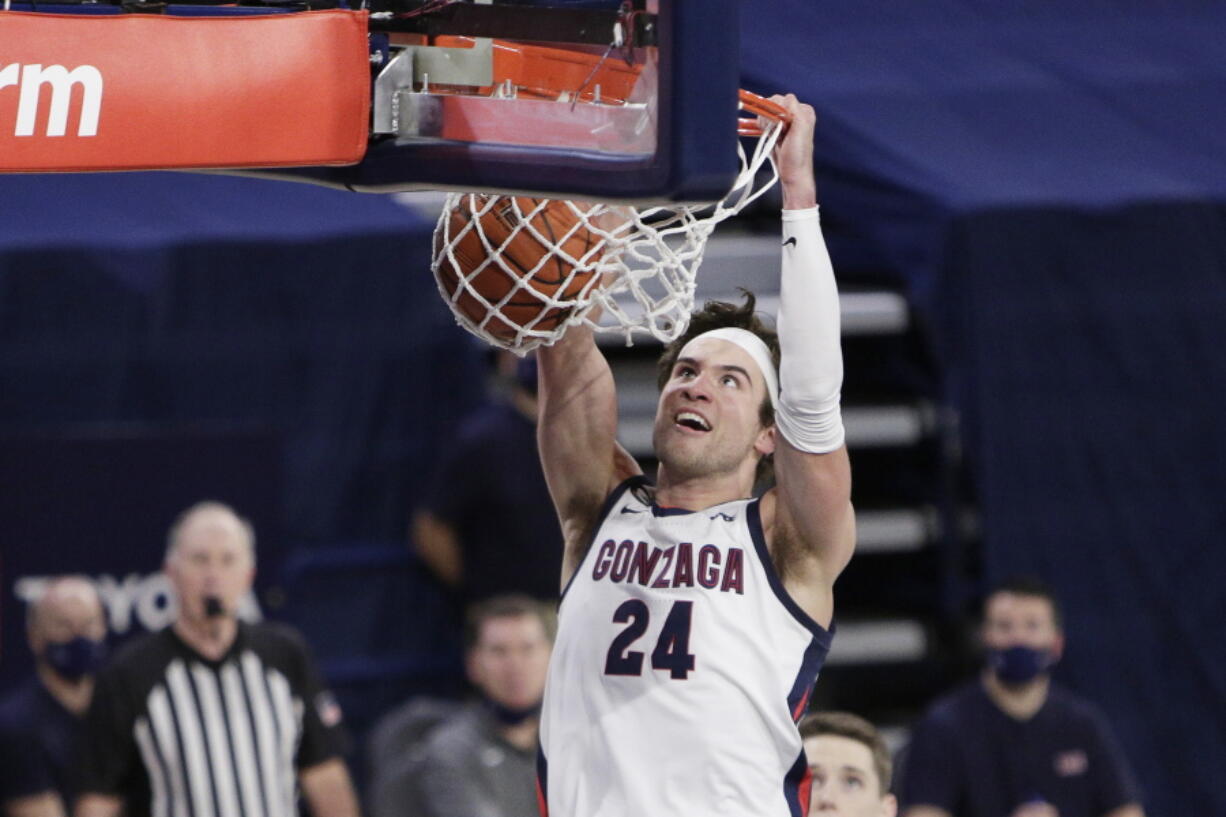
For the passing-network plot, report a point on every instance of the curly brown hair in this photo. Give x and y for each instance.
(717, 315)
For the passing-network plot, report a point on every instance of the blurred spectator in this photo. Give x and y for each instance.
(481, 760)
(1012, 742)
(850, 766)
(42, 722)
(213, 717)
(487, 527)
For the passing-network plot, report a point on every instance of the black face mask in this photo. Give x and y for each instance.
(509, 715)
(1020, 665)
(74, 659)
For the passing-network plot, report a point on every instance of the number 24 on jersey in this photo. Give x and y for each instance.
(672, 650)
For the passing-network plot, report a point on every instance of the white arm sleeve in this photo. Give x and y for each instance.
(811, 362)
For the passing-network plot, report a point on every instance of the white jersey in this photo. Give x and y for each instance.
(680, 669)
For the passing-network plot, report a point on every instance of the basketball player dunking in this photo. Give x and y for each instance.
(694, 619)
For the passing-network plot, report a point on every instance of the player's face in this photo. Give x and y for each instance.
(212, 558)
(707, 420)
(844, 779)
(510, 660)
(1012, 620)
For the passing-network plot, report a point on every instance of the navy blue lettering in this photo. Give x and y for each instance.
(642, 565)
(661, 569)
(661, 582)
(672, 650)
(621, 560)
(684, 574)
(603, 559)
(708, 566)
(620, 660)
(734, 572)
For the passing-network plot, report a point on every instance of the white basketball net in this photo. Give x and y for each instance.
(635, 273)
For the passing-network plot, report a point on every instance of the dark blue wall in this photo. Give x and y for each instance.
(166, 338)
(1048, 181)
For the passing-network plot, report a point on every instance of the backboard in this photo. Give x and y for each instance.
(615, 100)
(621, 101)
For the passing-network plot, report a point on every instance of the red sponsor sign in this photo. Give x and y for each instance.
(135, 91)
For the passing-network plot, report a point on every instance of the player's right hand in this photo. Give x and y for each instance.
(794, 154)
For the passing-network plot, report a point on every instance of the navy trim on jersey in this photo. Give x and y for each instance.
(659, 510)
(605, 509)
(753, 516)
(656, 510)
(806, 678)
(542, 781)
(797, 786)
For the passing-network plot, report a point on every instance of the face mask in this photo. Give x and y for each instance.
(75, 659)
(1017, 665)
(511, 716)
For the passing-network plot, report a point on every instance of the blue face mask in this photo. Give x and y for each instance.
(1018, 665)
(75, 659)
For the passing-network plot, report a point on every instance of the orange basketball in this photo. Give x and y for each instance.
(521, 256)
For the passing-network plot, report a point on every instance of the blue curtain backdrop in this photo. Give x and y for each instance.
(1048, 180)
(181, 300)
(159, 329)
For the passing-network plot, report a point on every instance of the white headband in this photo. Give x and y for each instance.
(756, 348)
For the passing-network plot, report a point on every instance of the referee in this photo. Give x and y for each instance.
(213, 717)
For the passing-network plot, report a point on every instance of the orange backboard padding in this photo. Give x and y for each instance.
(136, 92)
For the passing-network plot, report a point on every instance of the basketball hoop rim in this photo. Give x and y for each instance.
(646, 271)
(762, 108)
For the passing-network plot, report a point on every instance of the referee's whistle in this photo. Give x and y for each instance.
(213, 607)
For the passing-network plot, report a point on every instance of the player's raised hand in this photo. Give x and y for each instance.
(794, 154)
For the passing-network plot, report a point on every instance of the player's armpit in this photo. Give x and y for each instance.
(624, 465)
(579, 530)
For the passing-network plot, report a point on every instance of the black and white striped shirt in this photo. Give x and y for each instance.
(177, 735)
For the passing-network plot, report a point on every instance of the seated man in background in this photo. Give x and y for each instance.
(481, 761)
(1012, 743)
(849, 765)
(487, 527)
(42, 722)
(212, 716)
